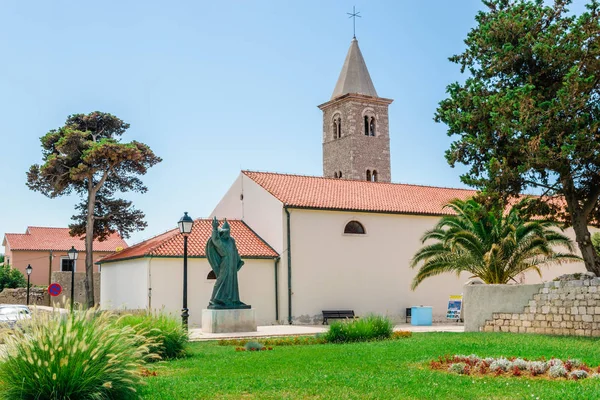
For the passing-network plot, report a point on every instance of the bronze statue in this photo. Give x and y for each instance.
(225, 261)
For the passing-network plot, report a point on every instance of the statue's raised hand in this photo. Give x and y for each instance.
(215, 222)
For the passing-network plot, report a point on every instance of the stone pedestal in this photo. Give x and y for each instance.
(226, 321)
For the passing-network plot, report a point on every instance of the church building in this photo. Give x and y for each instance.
(340, 241)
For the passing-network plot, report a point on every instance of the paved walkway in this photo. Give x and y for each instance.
(196, 334)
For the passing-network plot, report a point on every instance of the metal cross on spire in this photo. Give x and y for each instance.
(353, 15)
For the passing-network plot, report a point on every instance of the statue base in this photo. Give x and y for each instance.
(227, 321)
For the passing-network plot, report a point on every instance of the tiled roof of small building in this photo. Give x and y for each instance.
(170, 244)
(44, 238)
(344, 194)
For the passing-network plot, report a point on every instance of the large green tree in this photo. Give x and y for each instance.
(489, 243)
(528, 115)
(86, 157)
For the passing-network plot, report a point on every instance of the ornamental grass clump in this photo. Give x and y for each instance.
(372, 327)
(167, 336)
(82, 355)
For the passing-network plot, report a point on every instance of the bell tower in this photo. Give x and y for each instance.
(356, 140)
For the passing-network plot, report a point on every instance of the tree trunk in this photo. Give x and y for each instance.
(583, 238)
(579, 220)
(89, 251)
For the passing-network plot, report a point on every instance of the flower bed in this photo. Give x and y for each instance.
(296, 340)
(552, 369)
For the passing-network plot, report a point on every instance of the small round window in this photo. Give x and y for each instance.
(211, 275)
(354, 227)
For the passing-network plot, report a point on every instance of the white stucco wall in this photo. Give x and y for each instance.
(367, 273)
(258, 208)
(124, 284)
(256, 284)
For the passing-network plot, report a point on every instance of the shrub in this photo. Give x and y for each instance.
(83, 355)
(578, 374)
(555, 362)
(500, 364)
(254, 346)
(537, 367)
(520, 364)
(166, 335)
(573, 363)
(557, 371)
(11, 278)
(372, 327)
(459, 368)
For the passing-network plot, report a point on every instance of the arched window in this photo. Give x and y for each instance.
(335, 128)
(366, 125)
(374, 177)
(354, 227)
(372, 126)
(339, 174)
(369, 175)
(211, 275)
(335, 175)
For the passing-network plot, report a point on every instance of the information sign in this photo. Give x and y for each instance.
(454, 307)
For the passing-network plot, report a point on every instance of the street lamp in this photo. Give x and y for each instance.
(185, 227)
(73, 254)
(28, 270)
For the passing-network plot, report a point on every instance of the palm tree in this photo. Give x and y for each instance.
(490, 244)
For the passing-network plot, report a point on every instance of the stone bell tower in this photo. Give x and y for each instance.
(356, 140)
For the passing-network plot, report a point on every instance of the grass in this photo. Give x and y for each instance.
(393, 369)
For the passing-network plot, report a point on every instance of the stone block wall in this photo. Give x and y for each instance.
(564, 307)
(37, 296)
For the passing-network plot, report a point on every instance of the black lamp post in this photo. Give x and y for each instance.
(73, 254)
(28, 270)
(185, 227)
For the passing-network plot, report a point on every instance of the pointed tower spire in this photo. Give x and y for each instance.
(354, 77)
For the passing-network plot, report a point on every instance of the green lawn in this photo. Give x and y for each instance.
(377, 370)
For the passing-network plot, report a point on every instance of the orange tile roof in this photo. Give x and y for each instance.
(43, 238)
(170, 244)
(344, 194)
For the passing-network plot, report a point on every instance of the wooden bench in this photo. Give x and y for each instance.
(339, 314)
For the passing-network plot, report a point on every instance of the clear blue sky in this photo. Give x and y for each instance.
(217, 86)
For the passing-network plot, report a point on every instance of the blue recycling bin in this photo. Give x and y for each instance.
(421, 315)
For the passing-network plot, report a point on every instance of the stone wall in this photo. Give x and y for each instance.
(37, 296)
(64, 279)
(563, 307)
(480, 302)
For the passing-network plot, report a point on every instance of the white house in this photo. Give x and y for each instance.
(149, 275)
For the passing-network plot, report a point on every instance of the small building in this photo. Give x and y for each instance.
(45, 249)
(149, 275)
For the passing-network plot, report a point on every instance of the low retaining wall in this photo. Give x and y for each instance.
(37, 296)
(566, 307)
(480, 302)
